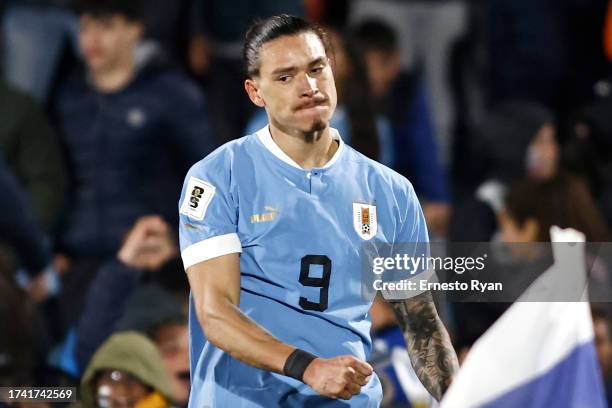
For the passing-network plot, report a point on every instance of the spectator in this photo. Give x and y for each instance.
(516, 140)
(127, 370)
(32, 151)
(35, 34)
(131, 129)
(171, 336)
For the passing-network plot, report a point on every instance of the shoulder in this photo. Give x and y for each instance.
(214, 175)
(379, 176)
(174, 83)
(223, 160)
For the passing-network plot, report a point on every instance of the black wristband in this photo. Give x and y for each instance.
(296, 364)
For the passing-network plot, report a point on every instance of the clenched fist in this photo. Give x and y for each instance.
(338, 377)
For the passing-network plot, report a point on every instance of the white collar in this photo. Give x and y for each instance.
(265, 137)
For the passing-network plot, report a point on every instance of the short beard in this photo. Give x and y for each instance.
(315, 130)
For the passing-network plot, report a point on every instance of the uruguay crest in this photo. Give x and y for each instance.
(364, 220)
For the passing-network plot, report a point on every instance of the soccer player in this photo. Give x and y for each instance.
(271, 226)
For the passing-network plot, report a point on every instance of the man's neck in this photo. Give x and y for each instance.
(310, 150)
(116, 78)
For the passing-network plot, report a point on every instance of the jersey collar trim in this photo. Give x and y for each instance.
(265, 137)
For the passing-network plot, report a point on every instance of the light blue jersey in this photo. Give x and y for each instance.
(299, 233)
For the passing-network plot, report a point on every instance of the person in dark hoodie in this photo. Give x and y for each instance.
(131, 124)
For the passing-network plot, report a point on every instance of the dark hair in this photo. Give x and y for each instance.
(172, 320)
(130, 9)
(563, 200)
(375, 35)
(263, 31)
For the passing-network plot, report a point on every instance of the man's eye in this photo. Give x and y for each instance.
(317, 70)
(284, 78)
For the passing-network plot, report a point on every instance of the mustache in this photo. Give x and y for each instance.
(314, 101)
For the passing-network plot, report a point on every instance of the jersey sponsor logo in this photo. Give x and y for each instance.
(197, 198)
(270, 215)
(365, 221)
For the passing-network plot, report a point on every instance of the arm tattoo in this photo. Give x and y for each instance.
(432, 355)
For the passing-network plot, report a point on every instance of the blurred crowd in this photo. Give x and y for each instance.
(498, 111)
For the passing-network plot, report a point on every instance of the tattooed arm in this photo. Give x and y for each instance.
(432, 355)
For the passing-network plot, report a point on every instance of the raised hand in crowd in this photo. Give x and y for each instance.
(148, 245)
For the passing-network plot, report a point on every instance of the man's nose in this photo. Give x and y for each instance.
(308, 86)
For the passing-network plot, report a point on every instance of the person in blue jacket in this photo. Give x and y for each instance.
(131, 125)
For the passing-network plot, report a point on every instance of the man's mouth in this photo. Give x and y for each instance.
(311, 104)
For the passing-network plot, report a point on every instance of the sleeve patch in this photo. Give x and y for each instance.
(197, 198)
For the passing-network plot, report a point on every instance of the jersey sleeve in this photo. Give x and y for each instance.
(412, 237)
(208, 212)
(413, 228)
(411, 240)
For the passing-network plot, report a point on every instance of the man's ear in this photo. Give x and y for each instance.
(253, 92)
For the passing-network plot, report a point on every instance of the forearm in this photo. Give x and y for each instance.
(429, 347)
(228, 328)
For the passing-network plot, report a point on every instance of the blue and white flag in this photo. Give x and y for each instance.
(538, 354)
